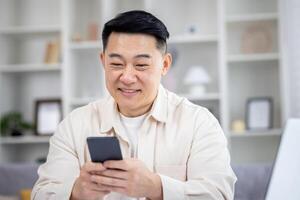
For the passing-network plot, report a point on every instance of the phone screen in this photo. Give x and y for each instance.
(104, 148)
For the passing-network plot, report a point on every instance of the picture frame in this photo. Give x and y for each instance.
(259, 113)
(48, 114)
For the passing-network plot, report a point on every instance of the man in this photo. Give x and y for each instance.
(172, 149)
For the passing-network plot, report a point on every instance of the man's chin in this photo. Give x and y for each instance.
(127, 109)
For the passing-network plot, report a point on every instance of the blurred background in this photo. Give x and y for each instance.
(238, 58)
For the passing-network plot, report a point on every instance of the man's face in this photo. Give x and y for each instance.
(133, 68)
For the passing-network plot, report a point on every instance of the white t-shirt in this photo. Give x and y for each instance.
(132, 127)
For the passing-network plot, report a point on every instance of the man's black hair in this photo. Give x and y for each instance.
(137, 21)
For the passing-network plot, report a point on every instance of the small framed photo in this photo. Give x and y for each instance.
(48, 114)
(259, 112)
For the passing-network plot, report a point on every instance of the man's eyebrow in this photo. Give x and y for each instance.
(115, 55)
(142, 56)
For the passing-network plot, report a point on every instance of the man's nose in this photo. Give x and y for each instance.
(128, 76)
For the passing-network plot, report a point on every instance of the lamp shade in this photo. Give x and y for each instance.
(196, 75)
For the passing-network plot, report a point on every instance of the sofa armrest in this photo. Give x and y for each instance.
(252, 181)
(15, 177)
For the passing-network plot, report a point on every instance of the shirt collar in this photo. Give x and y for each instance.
(111, 117)
(160, 105)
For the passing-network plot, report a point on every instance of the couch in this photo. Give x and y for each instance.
(251, 185)
(252, 181)
(14, 177)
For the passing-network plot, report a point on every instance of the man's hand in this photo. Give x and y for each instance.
(84, 187)
(129, 177)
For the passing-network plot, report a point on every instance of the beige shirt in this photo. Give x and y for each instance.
(181, 141)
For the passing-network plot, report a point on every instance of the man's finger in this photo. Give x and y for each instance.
(108, 181)
(117, 164)
(106, 187)
(120, 174)
(98, 187)
(93, 167)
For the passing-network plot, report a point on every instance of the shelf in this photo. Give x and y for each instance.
(19, 68)
(252, 17)
(16, 30)
(205, 97)
(82, 101)
(193, 38)
(85, 45)
(253, 57)
(263, 133)
(24, 139)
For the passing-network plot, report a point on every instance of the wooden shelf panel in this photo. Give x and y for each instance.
(181, 39)
(17, 30)
(85, 45)
(253, 57)
(82, 101)
(19, 68)
(204, 97)
(258, 133)
(252, 17)
(24, 139)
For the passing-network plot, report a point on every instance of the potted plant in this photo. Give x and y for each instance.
(12, 124)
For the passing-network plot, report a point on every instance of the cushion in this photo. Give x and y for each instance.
(9, 197)
(17, 176)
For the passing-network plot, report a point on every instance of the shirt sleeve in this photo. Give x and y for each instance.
(209, 174)
(58, 174)
(172, 188)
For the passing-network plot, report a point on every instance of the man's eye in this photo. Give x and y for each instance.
(141, 66)
(116, 64)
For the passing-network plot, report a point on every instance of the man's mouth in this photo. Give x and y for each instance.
(128, 92)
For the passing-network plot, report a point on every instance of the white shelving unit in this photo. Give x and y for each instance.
(253, 75)
(25, 29)
(207, 33)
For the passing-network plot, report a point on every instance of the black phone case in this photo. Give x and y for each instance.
(104, 148)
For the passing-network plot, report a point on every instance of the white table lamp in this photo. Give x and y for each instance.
(196, 78)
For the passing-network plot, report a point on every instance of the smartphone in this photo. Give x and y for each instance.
(104, 148)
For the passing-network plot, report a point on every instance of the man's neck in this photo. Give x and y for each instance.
(137, 112)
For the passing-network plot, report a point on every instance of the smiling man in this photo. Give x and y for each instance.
(133, 67)
(172, 149)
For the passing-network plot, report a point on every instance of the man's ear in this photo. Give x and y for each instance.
(167, 62)
(102, 58)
